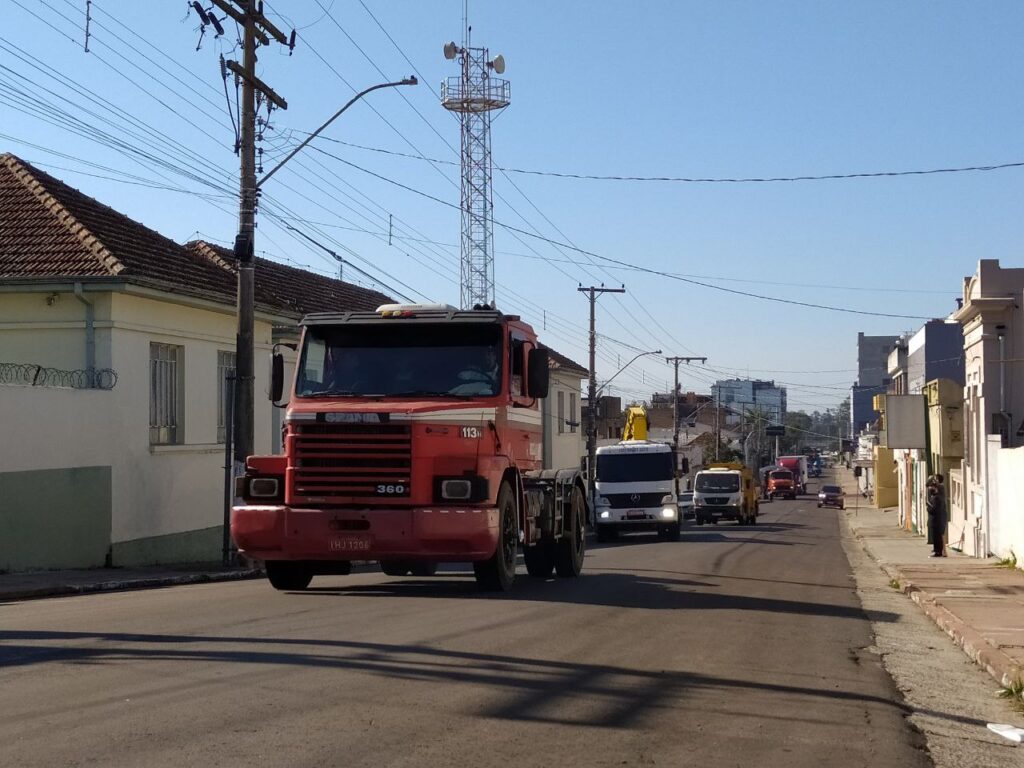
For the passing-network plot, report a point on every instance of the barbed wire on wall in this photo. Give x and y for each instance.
(32, 375)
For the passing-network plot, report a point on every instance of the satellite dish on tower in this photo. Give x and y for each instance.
(498, 64)
(450, 49)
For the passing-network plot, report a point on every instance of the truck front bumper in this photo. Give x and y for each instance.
(717, 512)
(450, 534)
(649, 519)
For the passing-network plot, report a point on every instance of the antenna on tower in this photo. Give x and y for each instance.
(474, 96)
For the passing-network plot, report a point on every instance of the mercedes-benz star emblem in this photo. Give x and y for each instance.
(635, 498)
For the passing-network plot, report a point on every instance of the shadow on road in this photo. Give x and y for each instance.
(545, 690)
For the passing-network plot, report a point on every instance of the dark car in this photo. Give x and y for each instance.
(831, 496)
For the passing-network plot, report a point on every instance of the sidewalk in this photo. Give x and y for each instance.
(976, 602)
(23, 586)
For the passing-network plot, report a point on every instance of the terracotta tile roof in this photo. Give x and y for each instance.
(296, 290)
(50, 230)
(562, 362)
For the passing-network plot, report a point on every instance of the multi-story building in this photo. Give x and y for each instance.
(737, 397)
(872, 378)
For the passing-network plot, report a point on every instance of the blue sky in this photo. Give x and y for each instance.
(689, 89)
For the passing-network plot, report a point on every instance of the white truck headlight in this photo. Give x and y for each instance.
(605, 515)
(668, 512)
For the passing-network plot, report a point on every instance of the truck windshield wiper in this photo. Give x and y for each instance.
(335, 393)
(427, 393)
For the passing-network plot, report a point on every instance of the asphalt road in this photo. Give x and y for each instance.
(737, 646)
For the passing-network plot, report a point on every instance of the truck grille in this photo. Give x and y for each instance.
(716, 499)
(342, 463)
(632, 500)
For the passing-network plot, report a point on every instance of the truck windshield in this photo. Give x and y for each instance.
(717, 482)
(780, 475)
(633, 467)
(400, 361)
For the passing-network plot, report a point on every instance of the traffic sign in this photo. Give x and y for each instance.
(775, 430)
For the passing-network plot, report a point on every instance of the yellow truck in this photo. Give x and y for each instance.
(725, 491)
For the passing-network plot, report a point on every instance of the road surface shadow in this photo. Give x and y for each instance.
(610, 589)
(545, 690)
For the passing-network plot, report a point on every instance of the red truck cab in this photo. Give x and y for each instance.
(412, 437)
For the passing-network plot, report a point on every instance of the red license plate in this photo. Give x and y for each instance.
(632, 514)
(350, 544)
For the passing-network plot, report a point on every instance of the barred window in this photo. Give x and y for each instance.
(225, 369)
(561, 411)
(165, 394)
(572, 412)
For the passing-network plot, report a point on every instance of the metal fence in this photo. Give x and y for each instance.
(32, 375)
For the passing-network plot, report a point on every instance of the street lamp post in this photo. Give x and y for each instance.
(244, 405)
(592, 428)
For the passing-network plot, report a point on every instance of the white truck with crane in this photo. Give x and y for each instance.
(634, 484)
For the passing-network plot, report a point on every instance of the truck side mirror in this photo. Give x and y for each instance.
(276, 377)
(537, 377)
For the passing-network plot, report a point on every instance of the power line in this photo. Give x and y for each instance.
(706, 180)
(627, 265)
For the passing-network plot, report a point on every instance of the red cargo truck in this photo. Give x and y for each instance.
(798, 466)
(412, 437)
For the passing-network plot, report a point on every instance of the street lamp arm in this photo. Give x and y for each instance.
(642, 354)
(317, 132)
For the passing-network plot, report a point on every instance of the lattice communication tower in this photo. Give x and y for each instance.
(474, 95)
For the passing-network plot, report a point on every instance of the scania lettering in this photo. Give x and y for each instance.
(412, 437)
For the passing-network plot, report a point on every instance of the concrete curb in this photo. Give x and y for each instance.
(115, 585)
(978, 649)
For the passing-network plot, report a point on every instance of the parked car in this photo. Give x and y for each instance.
(686, 505)
(831, 496)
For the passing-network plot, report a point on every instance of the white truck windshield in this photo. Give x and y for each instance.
(633, 467)
(716, 482)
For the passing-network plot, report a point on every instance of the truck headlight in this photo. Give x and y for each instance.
(250, 488)
(456, 490)
(605, 515)
(668, 512)
(668, 498)
(601, 501)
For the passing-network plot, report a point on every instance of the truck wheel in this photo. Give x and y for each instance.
(423, 569)
(539, 559)
(288, 576)
(497, 573)
(673, 531)
(569, 551)
(396, 567)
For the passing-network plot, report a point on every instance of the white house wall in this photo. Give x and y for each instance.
(155, 503)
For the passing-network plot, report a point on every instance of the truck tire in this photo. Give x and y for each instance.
(571, 548)
(539, 559)
(673, 531)
(497, 573)
(422, 568)
(396, 567)
(287, 575)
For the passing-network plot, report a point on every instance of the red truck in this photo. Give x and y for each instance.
(413, 436)
(798, 466)
(780, 484)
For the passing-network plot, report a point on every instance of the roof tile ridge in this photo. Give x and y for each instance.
(91, 243)
(209, 252)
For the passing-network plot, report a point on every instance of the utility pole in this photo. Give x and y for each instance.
(594, 292)
(675, 408)
(248, 14)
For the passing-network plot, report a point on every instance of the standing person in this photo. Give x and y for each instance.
(935, 502)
